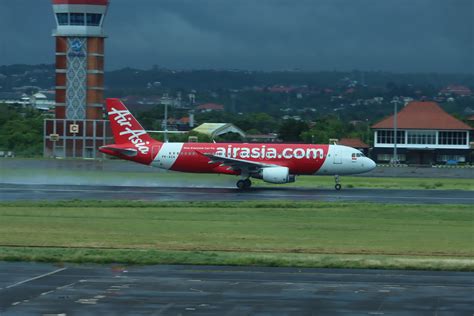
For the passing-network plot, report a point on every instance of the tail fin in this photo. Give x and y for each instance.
(125, 127)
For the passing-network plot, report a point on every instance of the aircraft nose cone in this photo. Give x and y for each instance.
(370, 164)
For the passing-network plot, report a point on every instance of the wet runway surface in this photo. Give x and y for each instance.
(39, 289)
(22, 192)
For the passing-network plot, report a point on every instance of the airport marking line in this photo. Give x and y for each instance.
(36, 278)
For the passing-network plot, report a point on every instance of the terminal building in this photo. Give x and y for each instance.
(426, 135)
(78, 128)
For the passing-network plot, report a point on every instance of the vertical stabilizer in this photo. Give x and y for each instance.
(125, 127)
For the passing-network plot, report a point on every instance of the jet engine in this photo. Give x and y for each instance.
(276, 175)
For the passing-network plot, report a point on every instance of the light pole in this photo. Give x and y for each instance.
(166, 123)
(395, 138)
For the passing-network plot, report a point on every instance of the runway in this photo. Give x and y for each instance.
(45, 289)
(32, 192)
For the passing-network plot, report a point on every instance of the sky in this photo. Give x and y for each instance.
(311, 35)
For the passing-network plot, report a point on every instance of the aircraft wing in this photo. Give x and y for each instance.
(236, 164)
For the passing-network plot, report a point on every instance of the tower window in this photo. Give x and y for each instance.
(62, 18)
(93, 19)
(77, 18)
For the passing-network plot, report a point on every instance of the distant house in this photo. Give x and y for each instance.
(280, 89)
(262, 138)
(356, 143)
(40, 101)
(184, 120)
(209, 107)
(426, 134)
(184, 123)
(456, 90)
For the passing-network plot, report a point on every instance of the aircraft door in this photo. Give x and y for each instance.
(337, 155)
(154, 155)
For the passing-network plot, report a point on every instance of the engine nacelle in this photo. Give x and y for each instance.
(277, 175)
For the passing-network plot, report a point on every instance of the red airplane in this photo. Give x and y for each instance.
(273, 163)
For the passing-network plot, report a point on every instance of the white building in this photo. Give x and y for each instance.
(426, 134)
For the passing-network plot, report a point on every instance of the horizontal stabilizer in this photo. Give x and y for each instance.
(127, 151)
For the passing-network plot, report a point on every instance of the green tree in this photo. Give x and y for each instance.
(291, 130)
(21, 131)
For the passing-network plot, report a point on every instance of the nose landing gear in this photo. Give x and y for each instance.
(244, 184)
(338, 185)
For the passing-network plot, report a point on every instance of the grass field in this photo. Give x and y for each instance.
(156, 178)
(262, 233)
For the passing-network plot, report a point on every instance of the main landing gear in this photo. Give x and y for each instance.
(338, 185)
(244, 184)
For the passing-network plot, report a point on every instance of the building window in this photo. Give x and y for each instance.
(62, 18)
(389, 157)
(452, 138)
(93, 19)
(77, 18)
(421, 137)
(386, 137)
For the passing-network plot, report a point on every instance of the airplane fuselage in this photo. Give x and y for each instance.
(301, 159)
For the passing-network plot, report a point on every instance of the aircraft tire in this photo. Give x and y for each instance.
(337, 187)
(240, 184)
(247, 183)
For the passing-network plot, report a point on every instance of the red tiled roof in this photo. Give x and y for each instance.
(184, 120)
(352, 142)
(423, 115)
(211, 106)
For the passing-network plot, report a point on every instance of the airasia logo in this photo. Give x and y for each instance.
(269, 152)
(124, 118)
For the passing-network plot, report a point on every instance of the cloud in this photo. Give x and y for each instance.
(25, 32)
(394, 35)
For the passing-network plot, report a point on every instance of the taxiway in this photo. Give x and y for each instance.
(40, 289)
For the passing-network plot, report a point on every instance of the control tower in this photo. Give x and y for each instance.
(79, 127)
